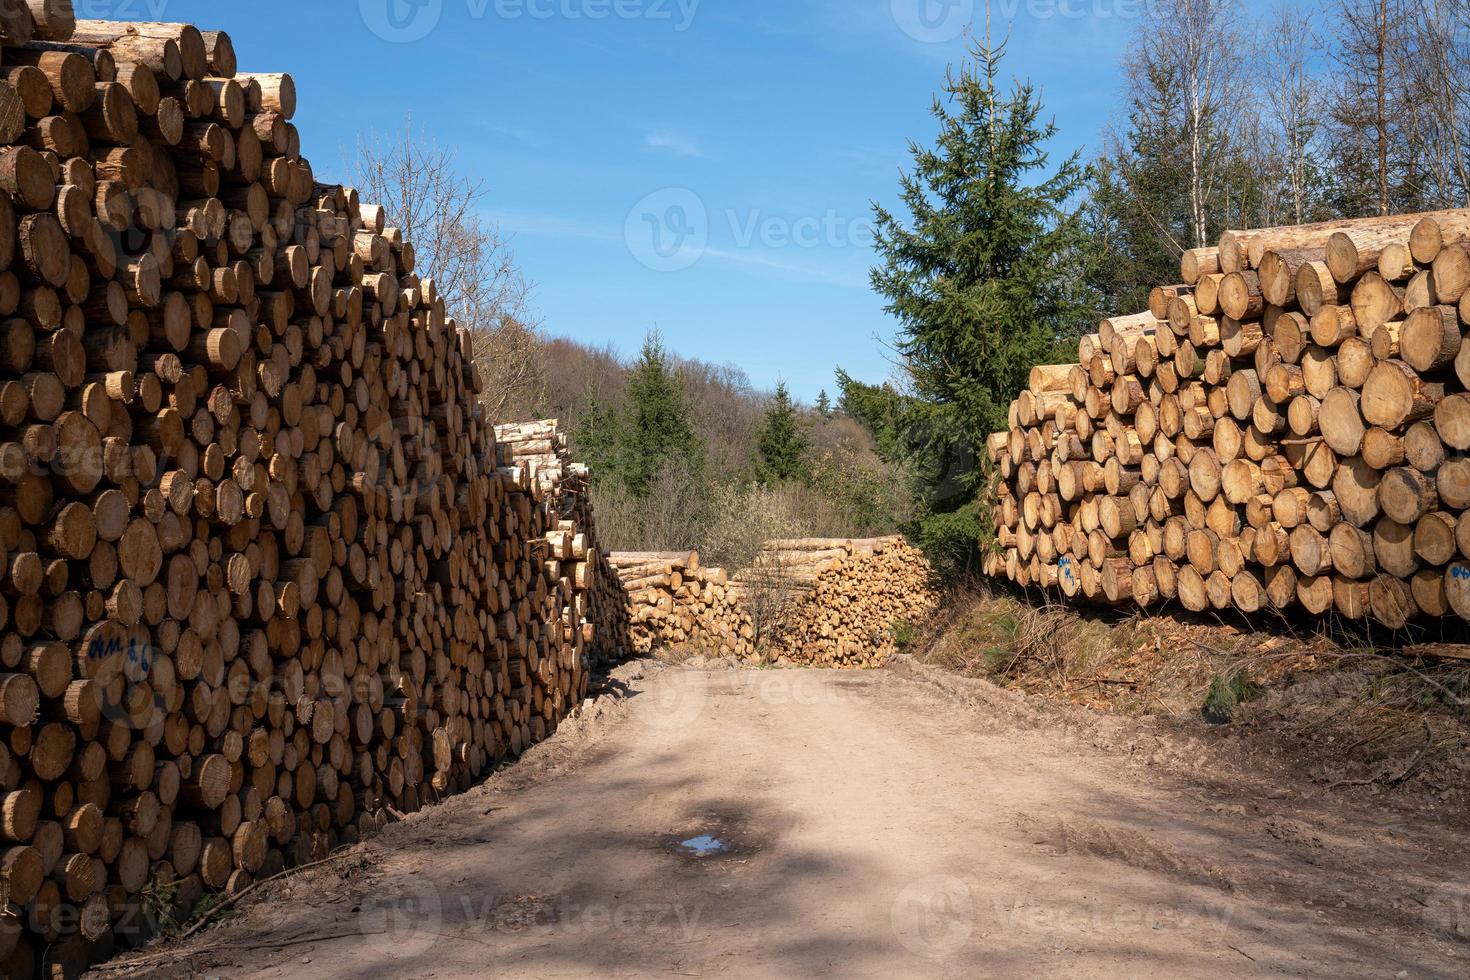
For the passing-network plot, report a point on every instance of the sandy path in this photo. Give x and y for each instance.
(880, 824)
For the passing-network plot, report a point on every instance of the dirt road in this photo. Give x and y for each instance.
(884, 824)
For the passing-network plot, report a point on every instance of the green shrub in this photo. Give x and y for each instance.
(905, 634)
(1228, 691)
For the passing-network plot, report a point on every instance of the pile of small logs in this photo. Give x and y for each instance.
(675, 604)
(599, 607)
(836, 602)
(1286, 427)
(265, 580)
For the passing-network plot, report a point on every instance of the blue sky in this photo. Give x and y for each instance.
(700, 166)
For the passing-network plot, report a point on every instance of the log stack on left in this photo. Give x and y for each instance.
(263, 582)
(600, 609)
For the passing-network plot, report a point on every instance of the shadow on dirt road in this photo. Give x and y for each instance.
(890, 823)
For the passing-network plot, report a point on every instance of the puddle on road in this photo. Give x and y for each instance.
(702, 846)
(717, 837)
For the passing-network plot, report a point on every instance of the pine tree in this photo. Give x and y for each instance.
(985, 278)
(599, 438)
(824, 404)
(882, 411)
(981, 279)
(1138, 211)
(657, 428)
(630, 448)
(782, 445)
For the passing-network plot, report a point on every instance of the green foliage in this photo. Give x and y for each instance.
(920, 440)
(783, 445)
(881, 409)
(660, 483)
(918, 435)
(599, 436)
(858, 498)
(905, 634)
(658, 426)
(1137, 217)
(159, 896)
(999, 632)
(208, 903)
(1227, 692)
(949, 539)
(634, 446)
(982, 276)
(824, 405)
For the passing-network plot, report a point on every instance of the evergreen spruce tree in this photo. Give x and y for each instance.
(982, 277)
(629, 448)
(782, 445)
(824, 404)
(985, 277)
(599, 439)
(657, 430)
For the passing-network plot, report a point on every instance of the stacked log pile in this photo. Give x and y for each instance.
(836, 602)
(264, 580)
(600, 604)
(1285, 428)
(675, 604)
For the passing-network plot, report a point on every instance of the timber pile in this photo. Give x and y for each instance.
(599, 607)
(1286, 427)
(262, 581)
(836, 602)
(676, 604)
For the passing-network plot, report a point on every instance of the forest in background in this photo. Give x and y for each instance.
(686, 454)
(1235, 116)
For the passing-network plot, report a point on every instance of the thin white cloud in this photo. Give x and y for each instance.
(810, 273)
(552, 226)
(538, 225)
(501, 129)
(672, 143)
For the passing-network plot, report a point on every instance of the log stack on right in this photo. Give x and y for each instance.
(1285, 427)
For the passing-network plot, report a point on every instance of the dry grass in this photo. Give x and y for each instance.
(1054, 651)
(1005, 639)
(1368, 714)
(1350, 713)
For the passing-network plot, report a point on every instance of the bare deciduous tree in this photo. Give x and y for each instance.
(1199, 41)
(438, 208)
(1372, 112)
(1441, 86)
(769, 596)
(1294, 97)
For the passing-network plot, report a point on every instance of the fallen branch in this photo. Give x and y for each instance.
(1396, 780)
(289, 872)
(206, 917)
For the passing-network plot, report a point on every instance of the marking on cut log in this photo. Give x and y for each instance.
(100, 649)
